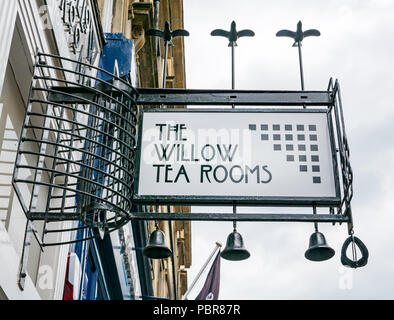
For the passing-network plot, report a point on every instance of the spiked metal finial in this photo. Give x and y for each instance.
(299, 35)
(167, 35)
(233, 34)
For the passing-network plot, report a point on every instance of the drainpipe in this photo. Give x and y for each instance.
(167, 229)
(174, 274)
(144, 267)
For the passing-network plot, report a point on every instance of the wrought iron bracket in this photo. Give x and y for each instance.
(245, 217)
(85, 132)
(147, 96)
(233, 97)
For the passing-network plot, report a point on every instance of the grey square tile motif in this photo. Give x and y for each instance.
(264, 137)
(302, 158)
(315, 158)
(316, 180)
(303, 168)
(312, 127)
(315, 168)
(276, 136)
(288, 127)
(264, 127)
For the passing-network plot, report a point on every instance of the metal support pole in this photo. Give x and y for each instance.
(232, 67)
(218, 245)
(165, 64)
(168, 207)
(315, 223)
(233, 106)
(25, 255)
(301, 67)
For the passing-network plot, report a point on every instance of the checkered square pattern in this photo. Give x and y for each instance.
(294, 140)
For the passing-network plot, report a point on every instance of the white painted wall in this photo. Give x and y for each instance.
(8, 10)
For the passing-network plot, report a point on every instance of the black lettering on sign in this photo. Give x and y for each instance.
(205, 168)
(241, 176)
(251, 171)
(225, 154)
(206, 154)
(163, 152)
(216, 174)
(182, 171)
(158, 166)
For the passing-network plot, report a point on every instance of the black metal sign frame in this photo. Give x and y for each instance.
(114, 103)
(296, 101)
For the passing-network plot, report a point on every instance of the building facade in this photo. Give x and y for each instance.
(132, 19)
(52, 259)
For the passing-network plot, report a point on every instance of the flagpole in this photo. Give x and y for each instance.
(218, 245)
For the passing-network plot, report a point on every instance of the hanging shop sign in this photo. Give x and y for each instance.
(236, 156)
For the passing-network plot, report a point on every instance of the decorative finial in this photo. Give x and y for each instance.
(299, 35)
(167, 35)
(233, 34)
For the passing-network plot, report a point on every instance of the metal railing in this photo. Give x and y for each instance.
(79, 150)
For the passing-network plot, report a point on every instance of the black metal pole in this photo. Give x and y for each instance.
(301, 67)
(232, 67)
(165, 64)
(168, 207)
(156, 5)
(315, 223)
(233, 106)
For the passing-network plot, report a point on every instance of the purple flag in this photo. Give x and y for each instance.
(210, 290)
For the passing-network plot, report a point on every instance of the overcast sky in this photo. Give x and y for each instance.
(356, 46)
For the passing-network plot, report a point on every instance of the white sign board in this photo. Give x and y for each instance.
(247, 156)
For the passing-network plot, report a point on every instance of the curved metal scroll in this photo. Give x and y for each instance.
(354, 263)
(76, 152)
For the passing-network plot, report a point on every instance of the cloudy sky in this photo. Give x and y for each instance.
(356, 46)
